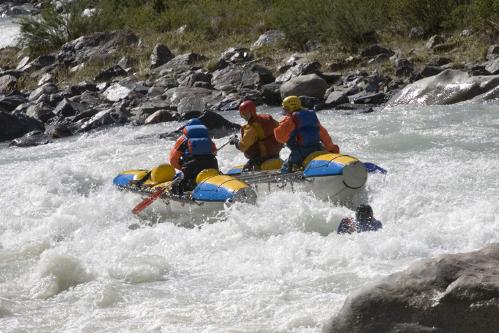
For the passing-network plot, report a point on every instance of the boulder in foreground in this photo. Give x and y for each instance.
(451, 293)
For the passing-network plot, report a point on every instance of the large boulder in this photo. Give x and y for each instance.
(234, 78)
(298, 69)
(31, 139)
(7, 83)
(192, 99)
(160, 55)
(448, 87)
(112, 116)
(456, 293)
(14, 126)
(179, 64)
(96, 45)
(310, 85)
(9, 103)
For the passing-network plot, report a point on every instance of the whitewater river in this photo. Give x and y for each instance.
(9, 32)
(69, 263)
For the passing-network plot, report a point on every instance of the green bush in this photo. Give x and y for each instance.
(345, 21)
(51, 30)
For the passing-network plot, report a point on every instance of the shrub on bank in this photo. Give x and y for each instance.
(345, 21)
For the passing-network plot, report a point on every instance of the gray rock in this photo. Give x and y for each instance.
(306, 85)
(166, 83)
(40, 111)
(271, 93)
(155, 91)
(493, 52)
(96, 45)
(493, 66)
(350, 109)
(9, 103)
(375, 50)
(31, 139)
(66, 108)
(14, 126)
(46, 78)
(110, 73)
(24, 61)
(189, 99)
(81, 87)
(43, 61)
(237, 77)
(335, 98)
(451, 293)
(7, 83)
(159, 116)
(363, 98)
(331, 77)
(47, 88)
(104, 118)
(403, 67)
(237, 55)
(151, 106)
(214, 121)
(117, 92)
(270, 37)
(188, 79)
(160, 55)
(179, 64)
(430, 71)
(298, 70)
(448, 87)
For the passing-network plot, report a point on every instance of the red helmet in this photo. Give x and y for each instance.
(247, 108)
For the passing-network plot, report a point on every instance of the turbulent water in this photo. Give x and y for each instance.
(69, 263)
(9, 32)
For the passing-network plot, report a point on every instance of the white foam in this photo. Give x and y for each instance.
(72, 264)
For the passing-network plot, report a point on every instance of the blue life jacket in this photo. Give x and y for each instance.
(306, 132)
(198, 141)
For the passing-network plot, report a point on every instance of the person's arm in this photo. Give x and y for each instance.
(214, 148)
(249, 138)
(284, 130)
(176, 153)
(327, 141)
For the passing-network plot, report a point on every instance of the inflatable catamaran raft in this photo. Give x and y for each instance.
(335, 177)
(213, 189)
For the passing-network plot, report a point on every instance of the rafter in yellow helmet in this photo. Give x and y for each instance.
(291, 104)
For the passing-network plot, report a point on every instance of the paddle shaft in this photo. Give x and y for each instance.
(148, 201)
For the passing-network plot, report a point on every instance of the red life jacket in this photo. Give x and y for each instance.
(266, 144)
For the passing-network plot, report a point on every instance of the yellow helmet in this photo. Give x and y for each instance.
(162, 173)
(291, 104)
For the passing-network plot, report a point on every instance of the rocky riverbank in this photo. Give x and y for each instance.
(178, 86)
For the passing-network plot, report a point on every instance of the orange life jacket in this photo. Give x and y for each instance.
(266, 144)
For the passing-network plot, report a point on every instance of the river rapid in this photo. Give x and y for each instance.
(9, 32)
(69, 263)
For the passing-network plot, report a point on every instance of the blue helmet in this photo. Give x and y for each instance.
(193, 121)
